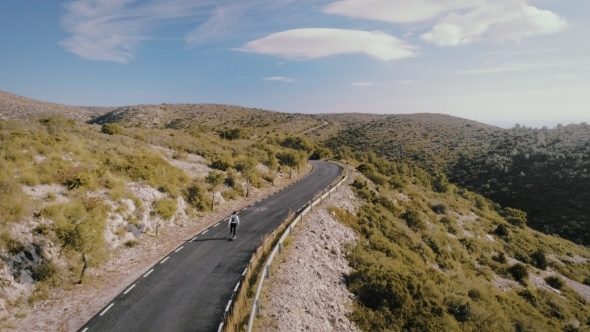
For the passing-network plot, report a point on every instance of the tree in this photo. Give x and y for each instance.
(246, 166)
(289, 159)
(214, 179)
(80, 229)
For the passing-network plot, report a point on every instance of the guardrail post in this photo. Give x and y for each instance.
(291, 227)
(257, 308)
(280, 247)
(267, 271)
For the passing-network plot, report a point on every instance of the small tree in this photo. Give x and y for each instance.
(214, 179)
(289, 159)
(246, 166)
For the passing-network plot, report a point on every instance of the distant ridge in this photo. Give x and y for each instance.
(22, 108)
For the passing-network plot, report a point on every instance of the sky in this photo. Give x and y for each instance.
(500, 62)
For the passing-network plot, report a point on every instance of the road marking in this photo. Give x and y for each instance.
(194, 238)
(226, 308)
(205, 231)
(179, 249)
(216, 225)
(238, 285)
(252, 204)
(84, 330)
(165, 259)
(107, 309)
(244, 273)
(220, 327)
(147, 274)
(129, 289)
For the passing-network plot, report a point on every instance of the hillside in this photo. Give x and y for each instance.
(427, 256)
(541, 171)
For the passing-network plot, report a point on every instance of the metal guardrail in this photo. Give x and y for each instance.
(278, 247)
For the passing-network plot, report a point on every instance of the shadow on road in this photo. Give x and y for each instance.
(211, 239)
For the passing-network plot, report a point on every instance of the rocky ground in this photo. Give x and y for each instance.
(68, 309)
(307, 292)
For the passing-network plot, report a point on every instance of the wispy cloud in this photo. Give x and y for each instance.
(526, 66)
(279, 79)
(319, 42)
(113, 30)
(363, 84)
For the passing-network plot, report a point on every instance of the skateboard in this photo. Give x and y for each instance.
(232, 238)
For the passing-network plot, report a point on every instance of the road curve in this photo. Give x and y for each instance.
(189, 289)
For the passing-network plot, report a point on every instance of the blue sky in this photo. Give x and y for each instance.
(496, 61)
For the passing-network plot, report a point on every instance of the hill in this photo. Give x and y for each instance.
(541, 171)
(16, 107)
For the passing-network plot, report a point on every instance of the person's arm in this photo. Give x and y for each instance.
(238, 219)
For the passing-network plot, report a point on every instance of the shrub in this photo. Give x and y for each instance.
(587, 281)
(439, 208)
(539, 259)
(502, 230)
(474, 294)
(514, 216)
(43, 271)
(112, 129)
(414, 220)
(131, 243)
(460, 309)
(221, 164)
(519, 271)
(555, 282)
(166, 208)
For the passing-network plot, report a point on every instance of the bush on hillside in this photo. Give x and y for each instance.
(112, 129)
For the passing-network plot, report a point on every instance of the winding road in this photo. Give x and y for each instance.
(189, 289)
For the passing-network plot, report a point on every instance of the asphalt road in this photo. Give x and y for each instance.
(189, 289)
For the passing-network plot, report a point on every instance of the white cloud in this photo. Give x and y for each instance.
(496, 21)
(461, 21)
(398, 11)
(279, 79)
(320, 42)
(363, 84)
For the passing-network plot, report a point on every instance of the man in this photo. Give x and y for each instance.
(234, 221)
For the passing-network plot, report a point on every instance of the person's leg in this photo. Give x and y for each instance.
(232, 230)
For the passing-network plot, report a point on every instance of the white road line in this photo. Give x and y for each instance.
(238, 285)
(252, 204)
(165, 259)
(194, 238)
(205, 231)
(226, 308)
(216, 225)
(129, 289)
(147, 274)
(84, 330)
(220, 327)
(244, 273)
(179, 249)
(107, 309)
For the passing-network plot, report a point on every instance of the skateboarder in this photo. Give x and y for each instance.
(234, 221)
